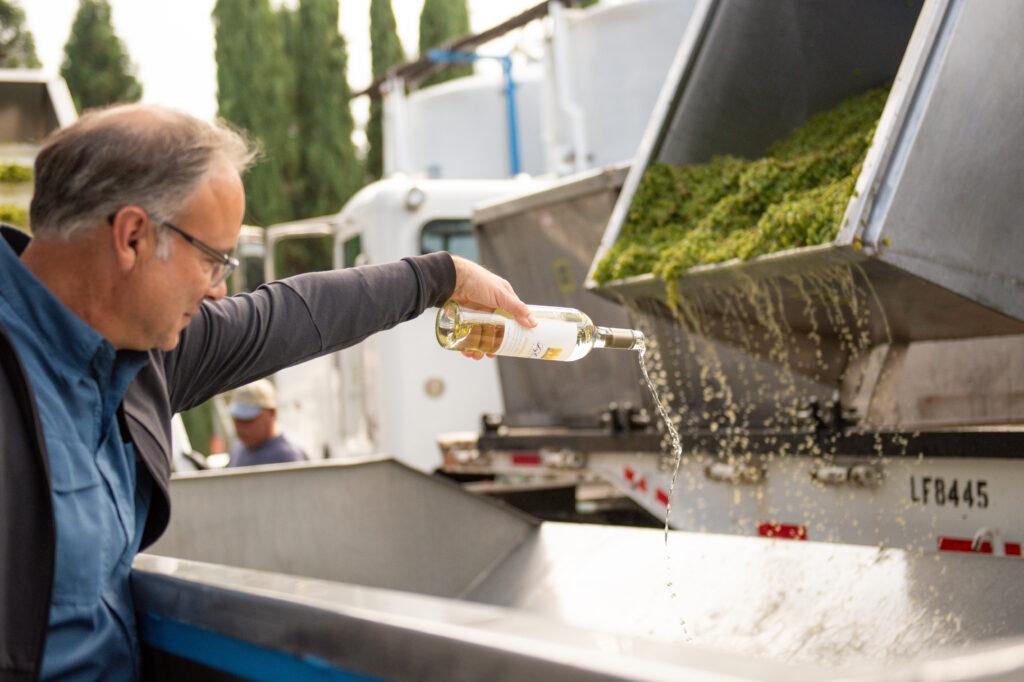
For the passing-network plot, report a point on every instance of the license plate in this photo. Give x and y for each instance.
(943, 491)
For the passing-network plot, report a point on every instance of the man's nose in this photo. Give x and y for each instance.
(218, 292)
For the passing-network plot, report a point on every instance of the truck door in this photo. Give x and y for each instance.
(359, 426)
(309, 409)
(441, 391)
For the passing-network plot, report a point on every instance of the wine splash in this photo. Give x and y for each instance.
(677, 447)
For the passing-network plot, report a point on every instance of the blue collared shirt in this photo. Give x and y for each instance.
(79, 382)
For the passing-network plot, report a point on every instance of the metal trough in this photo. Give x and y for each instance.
(932, 236)
(375, 571)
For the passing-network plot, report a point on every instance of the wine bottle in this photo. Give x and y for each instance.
(561, 333)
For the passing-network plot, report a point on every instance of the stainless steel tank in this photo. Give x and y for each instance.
(371, 570)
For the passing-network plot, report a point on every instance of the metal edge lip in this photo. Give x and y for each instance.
(875, 185)
(530, 521)
(565, 188)
(475, 629)
(780, 263)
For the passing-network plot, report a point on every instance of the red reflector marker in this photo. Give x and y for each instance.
(784, 531)
(962, 545)
(526, 459)
(965, 545)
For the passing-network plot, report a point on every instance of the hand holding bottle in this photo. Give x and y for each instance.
(478, 287)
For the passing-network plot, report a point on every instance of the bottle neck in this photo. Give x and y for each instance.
(625, 339)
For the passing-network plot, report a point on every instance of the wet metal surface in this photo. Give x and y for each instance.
(387, 634)
(448, 586)
(838, 606)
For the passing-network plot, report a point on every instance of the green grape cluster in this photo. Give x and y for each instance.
(729, 208)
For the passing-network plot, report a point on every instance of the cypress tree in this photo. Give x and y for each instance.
(17, 46)
(96, 65)
(385, 52)
(253, 92)
(441, 21)
(329, 172)
(288, 22)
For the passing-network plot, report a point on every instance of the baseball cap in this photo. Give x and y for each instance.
(248, 401)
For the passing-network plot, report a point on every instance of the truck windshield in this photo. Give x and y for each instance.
(454, 236)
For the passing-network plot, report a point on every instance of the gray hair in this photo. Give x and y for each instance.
(128, 155)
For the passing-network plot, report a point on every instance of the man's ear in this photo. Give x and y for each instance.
(131, 235)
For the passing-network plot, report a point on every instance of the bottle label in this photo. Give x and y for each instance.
(549, 340)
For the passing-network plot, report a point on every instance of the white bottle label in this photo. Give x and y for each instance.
(549, 340)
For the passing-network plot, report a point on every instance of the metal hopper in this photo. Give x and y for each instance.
(373, 571)
(931, 238)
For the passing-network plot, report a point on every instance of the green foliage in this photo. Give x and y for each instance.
(254, 92)
(281, 77)
(440, 22)
(328, 170)
(681, 217)
(17, 46)
(385, 52)
(96, 65)
(14, 215)
(374, 161)
(199, 424)
(15, 173)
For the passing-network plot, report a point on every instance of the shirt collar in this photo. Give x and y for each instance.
(56, 327)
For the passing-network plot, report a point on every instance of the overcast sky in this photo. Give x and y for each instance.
(171, 43)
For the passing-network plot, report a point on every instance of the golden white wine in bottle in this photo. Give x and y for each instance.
(561, 333)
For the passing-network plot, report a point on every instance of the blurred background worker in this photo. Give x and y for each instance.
(253, 409)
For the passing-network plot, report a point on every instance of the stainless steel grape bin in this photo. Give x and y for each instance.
(934, 229)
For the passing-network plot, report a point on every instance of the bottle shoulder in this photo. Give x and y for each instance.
(541, 313)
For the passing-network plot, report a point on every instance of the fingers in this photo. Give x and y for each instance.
(519, 310)
(477, 286)
(476, 355)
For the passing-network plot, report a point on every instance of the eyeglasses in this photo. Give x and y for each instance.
(223, 264)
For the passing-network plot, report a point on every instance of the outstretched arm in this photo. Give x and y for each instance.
(245, 337)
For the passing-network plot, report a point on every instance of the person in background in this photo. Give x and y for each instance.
(113, 317)
(253, 409)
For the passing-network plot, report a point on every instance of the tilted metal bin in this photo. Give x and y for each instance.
(933, 233)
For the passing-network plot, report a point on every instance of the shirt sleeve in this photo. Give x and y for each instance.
(248, 336)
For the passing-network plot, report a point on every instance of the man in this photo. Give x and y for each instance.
(112, 318)
(253, 409)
